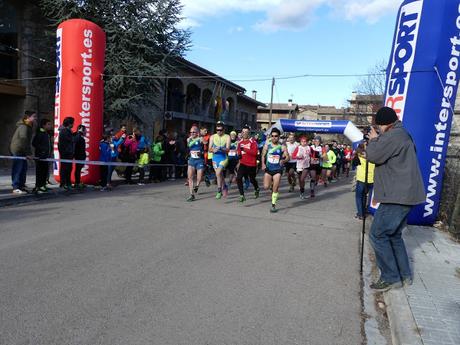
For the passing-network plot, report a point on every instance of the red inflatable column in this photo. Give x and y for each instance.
(80, 54)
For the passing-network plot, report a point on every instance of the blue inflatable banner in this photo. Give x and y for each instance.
(422, 81)
(346, 128)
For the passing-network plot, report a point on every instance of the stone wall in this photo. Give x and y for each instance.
(449, 212)
(34, 45)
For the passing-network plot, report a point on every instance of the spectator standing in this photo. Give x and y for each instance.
(170, 156)
(398, 186)
(157, 157)
(106, 154)
(363, 189)
(130, 148)
(43, 150)
(143, 161)
(20, 146)
(121, 134)
(181, 153)
(66, 151)
(79, 154)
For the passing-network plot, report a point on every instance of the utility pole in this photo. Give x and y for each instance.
(271, 105)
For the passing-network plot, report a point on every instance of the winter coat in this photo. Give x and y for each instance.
(42, 144)
(65, 143)
(157, 151)
(131, 147)
(80, 146)
(397, 177)
(105, 152)
(21, 140)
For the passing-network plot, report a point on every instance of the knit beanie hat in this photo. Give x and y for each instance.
(385, 116)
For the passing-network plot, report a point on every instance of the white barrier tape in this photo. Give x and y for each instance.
(123, 164)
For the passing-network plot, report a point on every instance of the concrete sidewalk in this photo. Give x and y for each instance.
(428, 312)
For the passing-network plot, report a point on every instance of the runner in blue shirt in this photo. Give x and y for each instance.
(195, 161)
(274, 156)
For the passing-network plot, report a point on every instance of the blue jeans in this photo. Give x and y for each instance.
(19, 173)
(359, 196)
(386, 239)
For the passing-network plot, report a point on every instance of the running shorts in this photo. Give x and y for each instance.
(274, 172)
(197, 163)
(219, 162)
(290, 166)
(231, 167)
(315, 167)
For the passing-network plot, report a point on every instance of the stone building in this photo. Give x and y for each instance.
(363, 107)
(279, 111)
(22, 59)
(193, 94)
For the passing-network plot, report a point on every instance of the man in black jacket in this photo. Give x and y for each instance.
(66, 150)
(79, 153)
(43, 147)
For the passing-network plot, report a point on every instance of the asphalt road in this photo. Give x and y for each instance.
(139, 265)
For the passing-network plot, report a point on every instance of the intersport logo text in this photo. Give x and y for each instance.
(402, 59)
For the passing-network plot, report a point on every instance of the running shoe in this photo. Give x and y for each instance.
(302, 196)
(191, 198)
(256, 193)
(141, 184)
(219, 195)
(42, 190)
(195, 189)
(383, 286)
(408, 281)
(273, 209)
(19, 191)
(242, 198)
(225, 191)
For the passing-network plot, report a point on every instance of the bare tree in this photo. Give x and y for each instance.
(374, 82)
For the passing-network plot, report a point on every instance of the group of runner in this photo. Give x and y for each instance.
(237, 155)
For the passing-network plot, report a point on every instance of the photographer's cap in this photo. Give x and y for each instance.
(385, 116)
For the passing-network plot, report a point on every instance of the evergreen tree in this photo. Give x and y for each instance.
(142, 40)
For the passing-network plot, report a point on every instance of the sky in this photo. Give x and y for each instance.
(261, 39)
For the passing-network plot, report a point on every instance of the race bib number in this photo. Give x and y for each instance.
(195, 154)
(273, 159)
(314, 161)
(232, 153)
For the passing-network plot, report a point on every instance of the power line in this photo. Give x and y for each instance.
(209, 76)
(27, 54)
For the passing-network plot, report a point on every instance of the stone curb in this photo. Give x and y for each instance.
(404, 330)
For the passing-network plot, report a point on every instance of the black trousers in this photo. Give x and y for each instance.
(104, 175)
(65, 172)
(77, 173)
(41, 173)
(129, 170)
(247, 172)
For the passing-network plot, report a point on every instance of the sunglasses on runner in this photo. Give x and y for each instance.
(275, 136)
(219, 129)
(192, 132)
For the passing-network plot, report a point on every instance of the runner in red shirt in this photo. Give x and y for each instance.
(348, 152)
(247, 151)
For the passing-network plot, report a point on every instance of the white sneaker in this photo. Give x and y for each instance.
(141, 184)
(19, 191)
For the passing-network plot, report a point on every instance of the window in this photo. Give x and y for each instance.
(323, 117)
(8, 41)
